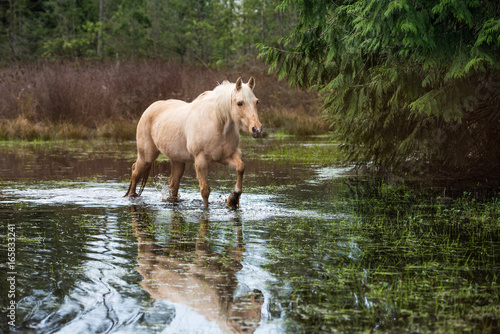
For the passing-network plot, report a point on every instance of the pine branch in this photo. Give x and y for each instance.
(280, 50)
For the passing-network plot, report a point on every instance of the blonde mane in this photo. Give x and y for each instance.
(223, 100)
(223, 93)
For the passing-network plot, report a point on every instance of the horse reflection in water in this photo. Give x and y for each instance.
(188, 273)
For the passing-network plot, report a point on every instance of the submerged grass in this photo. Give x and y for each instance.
(401, 261)
(316, 151)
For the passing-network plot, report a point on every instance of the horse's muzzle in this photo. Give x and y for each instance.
(256, 132)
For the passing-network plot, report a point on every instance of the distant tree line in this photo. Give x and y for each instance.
(214, 32)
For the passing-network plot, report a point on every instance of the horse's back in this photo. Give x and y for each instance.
(159, 108)
(159, 112)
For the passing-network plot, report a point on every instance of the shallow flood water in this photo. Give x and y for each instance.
(307, 251)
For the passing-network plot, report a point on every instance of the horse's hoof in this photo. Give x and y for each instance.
(171, 199)
(133, 195)
(233, 201)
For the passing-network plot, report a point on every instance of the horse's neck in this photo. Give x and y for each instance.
(230, 128)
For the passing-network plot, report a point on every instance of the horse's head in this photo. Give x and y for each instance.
(244, 107)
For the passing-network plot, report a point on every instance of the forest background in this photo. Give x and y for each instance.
(87, 68)
(405, 85)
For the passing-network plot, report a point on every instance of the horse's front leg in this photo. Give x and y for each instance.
(202, 164)
(233, 200)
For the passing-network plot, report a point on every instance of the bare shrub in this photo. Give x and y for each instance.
(106, 96)
(134, 86)
(15, 94)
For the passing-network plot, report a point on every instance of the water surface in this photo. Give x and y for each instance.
(309, 250)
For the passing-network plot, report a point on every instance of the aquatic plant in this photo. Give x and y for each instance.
(402, 260)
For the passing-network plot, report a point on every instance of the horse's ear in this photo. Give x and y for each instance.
(238, 84)
(251, 83)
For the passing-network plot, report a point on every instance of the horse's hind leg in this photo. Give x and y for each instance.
(140, 172)
(175, 179)
(133, 184)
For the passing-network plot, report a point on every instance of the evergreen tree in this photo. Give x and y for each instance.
(405, 83)
(213, 32)
(75, 29)
(23, 30)
(129, 27)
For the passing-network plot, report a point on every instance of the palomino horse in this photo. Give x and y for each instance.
(203, 131)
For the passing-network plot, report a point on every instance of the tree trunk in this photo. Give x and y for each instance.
(101, 23)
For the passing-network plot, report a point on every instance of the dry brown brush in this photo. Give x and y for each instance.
(74, 100)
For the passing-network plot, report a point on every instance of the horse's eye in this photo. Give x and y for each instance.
(240, 104)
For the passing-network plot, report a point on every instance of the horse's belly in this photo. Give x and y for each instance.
(169, 136)
(179, 156)
(175, 150)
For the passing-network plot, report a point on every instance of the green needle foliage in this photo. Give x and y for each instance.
(214, 33)
(406, 84)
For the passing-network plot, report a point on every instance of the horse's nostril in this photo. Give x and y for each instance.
(254, 129)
